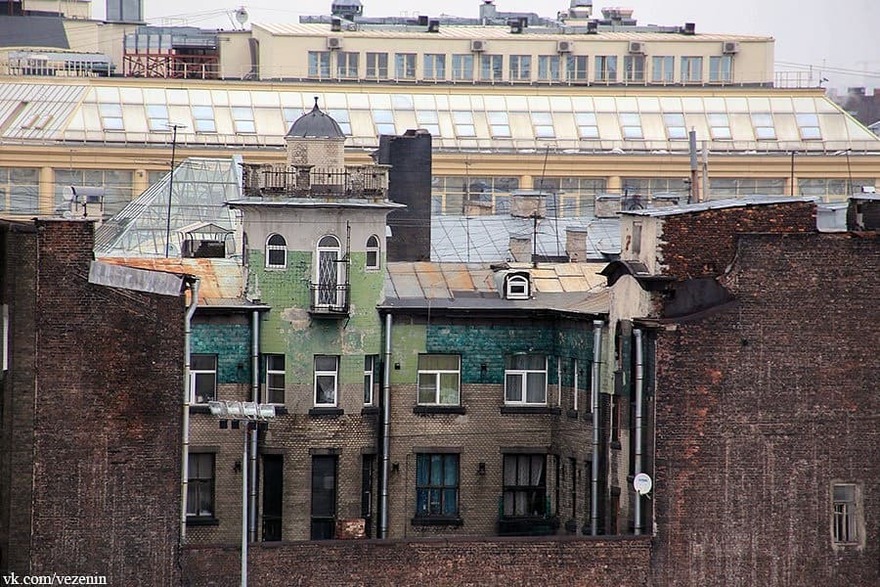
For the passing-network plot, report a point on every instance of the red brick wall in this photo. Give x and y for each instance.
(449, 562)
(761, 408)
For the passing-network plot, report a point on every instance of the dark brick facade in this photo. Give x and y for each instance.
(761, 407)
(91, 415)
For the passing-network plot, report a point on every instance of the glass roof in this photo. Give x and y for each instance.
(198, 194)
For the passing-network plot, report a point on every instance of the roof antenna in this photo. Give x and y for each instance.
(316, 103)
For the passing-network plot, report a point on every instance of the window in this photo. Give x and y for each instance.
(721, 69)
(809, 127)
(372, 252)
(328, 272)
(464, 123)
(243, 119)
(436, 485)
(347, 65)
(439, 380)
(111, 116)
(663, 69)
(319, 64)
(276, 252)
(200, 486)
(384, 122)
(326, 380)
(369, 377)
(588, 128)
(548, 68)
(542, 123)
(631, 125)
(517, 287)
(499, 125)
(691, 69)
(675, 128)
(525, 486)
(637, 238)
(525, 379)
(377, 66)
(405, 65)
(763, 125)
(491, 67)
(520, 67)
(428, 120)
(157, 118)
(719, 126)
(845, 524)
(203, 119)
(342, 118)
(203, 378)
(275, 379)
(463, 67)
(576, 68)
(435, 66)
(634, 68)
(606, 68)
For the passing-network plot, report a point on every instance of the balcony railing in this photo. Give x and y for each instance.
(306, 181)
(329, 299)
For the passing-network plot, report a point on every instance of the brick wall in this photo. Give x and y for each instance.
(760, 408)
(511, 562)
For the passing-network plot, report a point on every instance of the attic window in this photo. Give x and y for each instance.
(517, 287)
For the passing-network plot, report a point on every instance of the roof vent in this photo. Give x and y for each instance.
(689, 28)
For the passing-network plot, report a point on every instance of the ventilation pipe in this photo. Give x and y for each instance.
(594, 394)
(640, 384)
(184, 460)
(386, 431)
(255, 397)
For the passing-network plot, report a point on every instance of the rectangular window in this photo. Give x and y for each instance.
(370, 362)
(347, 65)
(499, 124)
(439, 380)
(491, 67)
(809, 127)
(691, 69)
(429, 121)
(203, 119)
(464, 123)
(525, 379)
(542, 123)
(634, 68)
(463, 67)
(576, 68)
(377, 66)
(275, 372)
(324, 489)
(111, 116)
(588, 128)
(721, 69)
(663, 69)
(319, 64)
(436, 485)
(520, 67)
(157, 118)
(342, 117)
(631, 125)
(845, 514)
(405, 66)
(200, 486)
(384, 121)
(763, 125)
(719, 126)
(548, 68)
(435, 66)
(637, 238)
(203, 378)
(326, 380)
(675, 128)
(525, 486)
(243, 119)
(606, 68)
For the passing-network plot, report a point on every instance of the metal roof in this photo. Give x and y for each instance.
(33, 31)
(742, 202)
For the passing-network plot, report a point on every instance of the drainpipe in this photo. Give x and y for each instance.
(184, 460)
(640, 384)
(386, 431)
(255, 397)
(594, 392)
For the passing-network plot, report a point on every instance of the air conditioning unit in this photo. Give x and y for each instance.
(730, 47)
(564, 46)
(477, 46)
(636, 48)
(334, 43)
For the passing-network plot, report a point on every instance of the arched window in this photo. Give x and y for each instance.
(518, 287)
(328, 271)
(276, 252)
(373, 252)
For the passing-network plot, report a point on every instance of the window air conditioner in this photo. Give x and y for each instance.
(730, 47)
(636, 47)
(334, 43)
(478, 46)
(564, 46)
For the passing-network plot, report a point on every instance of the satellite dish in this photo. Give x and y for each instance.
(642, 483)
(241, 15)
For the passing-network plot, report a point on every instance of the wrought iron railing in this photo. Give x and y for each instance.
(365, 181)
(329, 299)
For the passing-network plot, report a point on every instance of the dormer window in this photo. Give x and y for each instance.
(276, 252)
(372, 252)
(517, 287)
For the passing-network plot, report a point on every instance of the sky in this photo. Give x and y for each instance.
(833, 39)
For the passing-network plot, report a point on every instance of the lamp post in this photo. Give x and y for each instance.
(254, 415)
(173, 128)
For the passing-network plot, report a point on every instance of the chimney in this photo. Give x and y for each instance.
(528, 204)
(521, 248)
(576, 243)
(607, 206)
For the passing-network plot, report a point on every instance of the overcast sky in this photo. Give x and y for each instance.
(838, 37)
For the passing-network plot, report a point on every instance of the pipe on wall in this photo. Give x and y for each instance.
(386, 432)
(184, 460)
(255, 397)
(639, 385)
(594, 401)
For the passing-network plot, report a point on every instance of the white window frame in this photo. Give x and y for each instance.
(846, 516)
(721, 69)
(331, 299)
(808, 126)
(274, 373)
(157, 117)
(196, 482)
(275, 247)
(523, 374)
(111, 116)
(462, 67)
(519, 68)
(719, 126)
(243, 120)
(549, 68)
(631, 126)
(499, 124)
(437, 374)
(405, 66)
(463, 121)
(662, 69)
(383, 120)
(491, 67)
(676, 129)
(377, 66)
(334, 374)
(577, 68)
(347, 64)
(517, 287)
(588, 126)
(691, 69)
(374, 248)
(194, 377)
(606, 68)
(634, 68)
(319, 64)
(203, 119)
(542, 124)
(763, 123)
(435, 66)
(369, 379)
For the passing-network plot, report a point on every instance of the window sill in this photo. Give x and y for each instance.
(326, 412)
(202, 521)
(439, 410)
(437, 521)
(530, 410)
(370, 411)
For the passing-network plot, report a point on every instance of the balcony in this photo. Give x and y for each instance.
(306, 181)
(329, 300)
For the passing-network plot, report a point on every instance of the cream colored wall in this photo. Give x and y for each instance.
(651, 233)
(235, 54)
(93, 36)
(69, 8)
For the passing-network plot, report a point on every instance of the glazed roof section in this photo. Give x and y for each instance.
(476, 118)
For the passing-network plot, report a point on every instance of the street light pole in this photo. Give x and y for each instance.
(174, 128)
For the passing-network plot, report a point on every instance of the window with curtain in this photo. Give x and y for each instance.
(437, 479)
(525, 485)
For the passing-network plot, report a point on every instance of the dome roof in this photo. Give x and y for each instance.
(315, 124)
